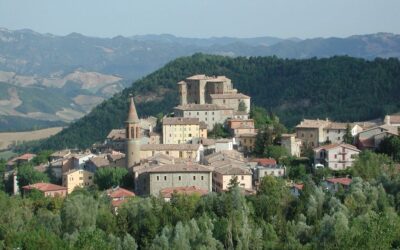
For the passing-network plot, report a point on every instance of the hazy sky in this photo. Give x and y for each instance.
(203, 18)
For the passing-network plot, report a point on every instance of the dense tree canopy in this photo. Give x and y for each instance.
(340, 88)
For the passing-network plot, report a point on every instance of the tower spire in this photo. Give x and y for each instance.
(132, 114)
(132, 136)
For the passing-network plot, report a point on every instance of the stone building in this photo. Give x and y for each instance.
(292, 144)
(181, 130)
(241, 126)
(246, 142)
(197, 89)
(316, 132)
(232, 100)
(210, 114)
(153, 179)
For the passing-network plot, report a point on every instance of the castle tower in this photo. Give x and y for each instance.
(132, 133)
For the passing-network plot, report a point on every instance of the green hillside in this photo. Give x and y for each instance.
(341, 88)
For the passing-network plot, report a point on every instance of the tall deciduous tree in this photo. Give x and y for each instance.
(108, 177)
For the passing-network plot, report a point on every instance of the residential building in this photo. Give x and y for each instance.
(292, 144)
(167, 193)
(270, 170)
(19, 160)
(242, 115)
(62, 154)
(152, 180)
(192, 152)
(296, 189)
(77, 178)
(392, 120)
(48, 189)
(182, 130)
(224, 173)
(155, 138)
(97, 162)
(210, 114)
(116, 140)
(118, 196)
(336, 156)
(79, 160)
(372, 137)
(317, 132)
(246, 142)
(223, 144)
(239, 126)
(333, 184)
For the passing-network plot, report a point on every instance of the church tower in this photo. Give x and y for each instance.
(132, 134)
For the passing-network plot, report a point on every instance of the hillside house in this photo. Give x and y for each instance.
(336, 156)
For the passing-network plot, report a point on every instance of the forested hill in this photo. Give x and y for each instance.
(341, 88)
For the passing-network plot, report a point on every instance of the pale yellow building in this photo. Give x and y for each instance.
(191, 152)
(182, 130)
(77, 178)
(226, 171)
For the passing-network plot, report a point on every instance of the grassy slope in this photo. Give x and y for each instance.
(341, 88)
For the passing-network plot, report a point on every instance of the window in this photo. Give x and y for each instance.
(213, 112)
(80, 178)
(202, 178)
(242, 177)
(165, 177)
(311, 135)
(90, 177)
(194, 177)
(167, 152)
(190, 135)
(223, 101)
(206, 112)
(180, 178)
(197, 113)
(335, 156)
(302, 135)
(338, 138)
(158, 178)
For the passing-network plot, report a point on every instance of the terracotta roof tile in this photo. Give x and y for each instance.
(119, 193)
(44, 187)
(343, 181)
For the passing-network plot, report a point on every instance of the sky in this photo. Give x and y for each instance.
(203, 18)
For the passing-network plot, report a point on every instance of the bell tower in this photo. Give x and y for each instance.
(132, 133)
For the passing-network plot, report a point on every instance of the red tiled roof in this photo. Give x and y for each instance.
(343, 181)
(44, 187)
(26, 157)
(265, 161)
(298, 186)
(168, 192)
(119, 193)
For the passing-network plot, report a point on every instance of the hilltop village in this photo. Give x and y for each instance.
(176, 154)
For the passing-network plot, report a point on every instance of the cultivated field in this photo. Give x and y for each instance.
(9, 138)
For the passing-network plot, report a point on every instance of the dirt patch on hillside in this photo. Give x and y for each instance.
(9, 138)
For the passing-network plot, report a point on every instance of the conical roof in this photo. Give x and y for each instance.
(132, 115)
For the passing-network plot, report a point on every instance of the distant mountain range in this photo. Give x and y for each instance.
(81, 71)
